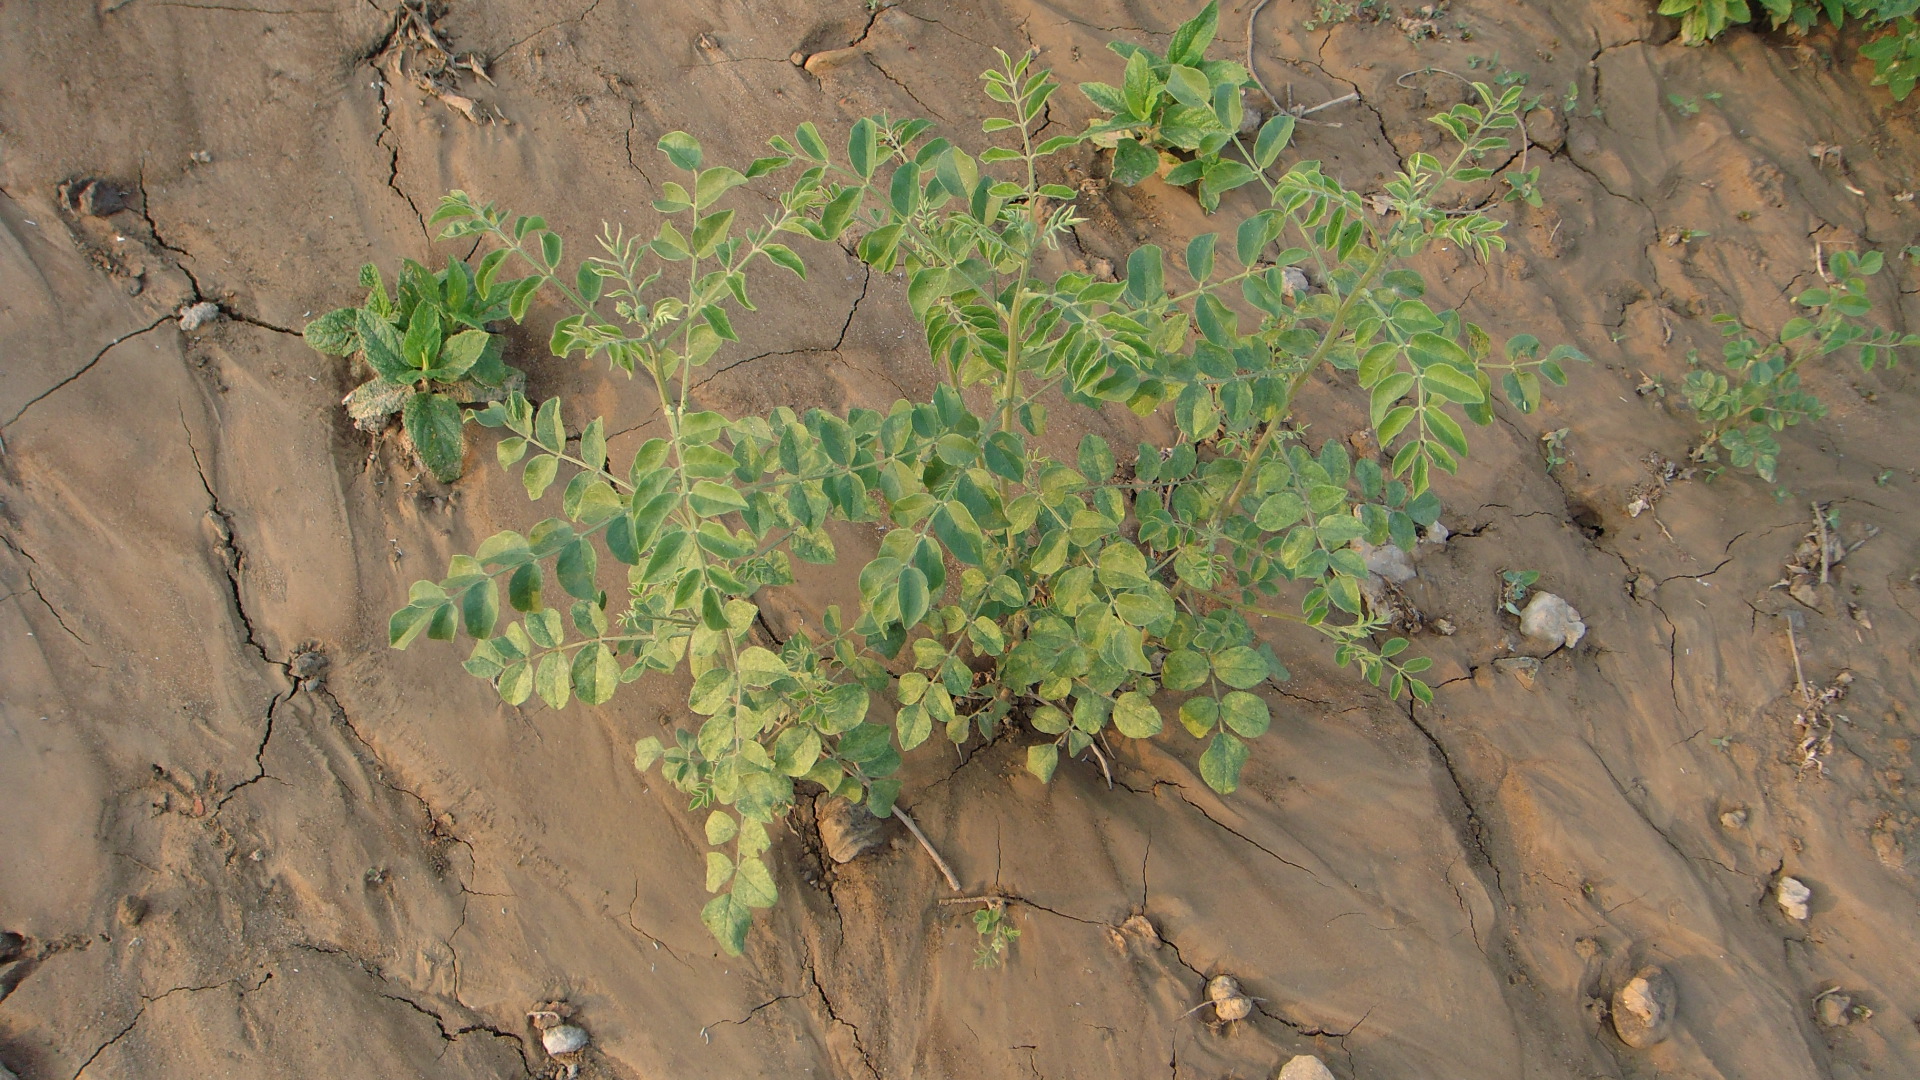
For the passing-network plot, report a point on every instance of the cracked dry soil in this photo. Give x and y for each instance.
(225, 859)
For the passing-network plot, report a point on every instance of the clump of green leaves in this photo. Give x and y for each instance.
(1758, 392)
(1895, 52)
(996, 933)
(429, 350)
(1074, 599)
(1181, 108)
(1704, 20)
(1896, 57)
(1328, 12)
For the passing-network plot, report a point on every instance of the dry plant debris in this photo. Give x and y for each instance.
(436, 66)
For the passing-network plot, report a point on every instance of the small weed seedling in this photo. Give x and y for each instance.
(1069, 599)
(996, 933)
(1329, 12)
(1759, 392)
(1689, 107)
(1553, 447)
(1181, 108)
(430, 353)
(1514, 587)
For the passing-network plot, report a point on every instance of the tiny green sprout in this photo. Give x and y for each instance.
(1885, 477)
(1553, 446)
(1722, 741)
(1514, 587)
(996, 933)
(1685, 105)
(1524, 187)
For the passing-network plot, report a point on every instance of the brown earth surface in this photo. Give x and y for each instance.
(224, 858)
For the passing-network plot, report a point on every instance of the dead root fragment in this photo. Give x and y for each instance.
(1819, 552)
(1662, 474)
(1815, 723)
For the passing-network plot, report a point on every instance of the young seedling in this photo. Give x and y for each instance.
(1759, 392)
(1181, 109)
(1514, 587)
(430, 353)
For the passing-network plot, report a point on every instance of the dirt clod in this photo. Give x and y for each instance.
(1229, 1002)
(132, 910)
(1835, 1009)
(847, 830)
(1643, 1008)
(195, 316)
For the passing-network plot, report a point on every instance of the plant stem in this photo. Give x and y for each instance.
(1272, 428)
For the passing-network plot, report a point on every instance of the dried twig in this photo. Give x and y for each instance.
(1251, 70)
(1820, 530)
(952, 882)
(1799, 673)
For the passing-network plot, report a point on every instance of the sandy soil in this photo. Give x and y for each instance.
(224, 858)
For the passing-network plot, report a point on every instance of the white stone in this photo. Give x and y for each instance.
(1643, 1009)
(1304, 1067)
(563, 1039)
(195, 316)
(1793, 896)
(1549, 618)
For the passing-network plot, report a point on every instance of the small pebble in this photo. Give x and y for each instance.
(1793, 896)
(1735, 818)
(194, 316)
(1549, 618)
(1643, 1009)
(1304, 1067)
(1524, 669)
(563, 1039)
